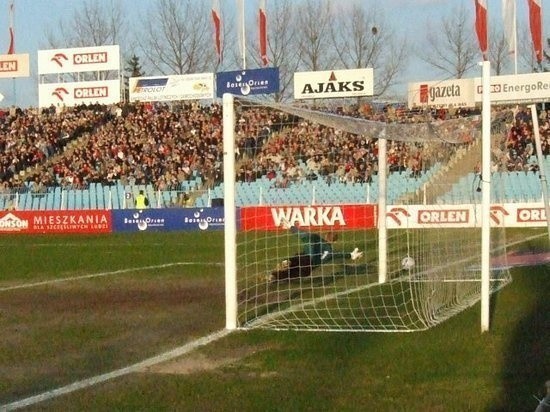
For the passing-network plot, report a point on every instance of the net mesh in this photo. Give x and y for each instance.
(307, 175)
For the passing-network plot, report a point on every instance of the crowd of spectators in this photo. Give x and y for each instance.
(166, 146)
(516, 151)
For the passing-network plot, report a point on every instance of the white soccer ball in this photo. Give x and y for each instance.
(407, 263)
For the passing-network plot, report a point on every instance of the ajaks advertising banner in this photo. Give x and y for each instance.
(79, 59)
(76, 93)
(248, 82)
(14, 65)
(313, 217)
(55, 221)
(166, 88)
(164, 220)
(334, 83)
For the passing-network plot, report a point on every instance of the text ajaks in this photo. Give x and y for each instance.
(334, 87)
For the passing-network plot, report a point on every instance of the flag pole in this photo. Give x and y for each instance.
(242, 38)
(515, 39)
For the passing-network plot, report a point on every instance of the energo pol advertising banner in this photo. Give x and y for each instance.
(531, 87)
(166, 88)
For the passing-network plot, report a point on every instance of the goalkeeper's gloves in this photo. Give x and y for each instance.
(356, 254)
(285, 224)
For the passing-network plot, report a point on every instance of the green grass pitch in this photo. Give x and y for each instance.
(74, 307)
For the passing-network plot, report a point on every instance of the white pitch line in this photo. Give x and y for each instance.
(97, 275)
(136, 367)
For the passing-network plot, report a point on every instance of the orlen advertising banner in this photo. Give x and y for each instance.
(166, 88)
(55, 221)
(456, 93)
(163, 220)
(313, 217)
(76, 93)
(80, 59)
(14, 65)
(461, 216)
(248, 82)
(334, 83)
(513, 88)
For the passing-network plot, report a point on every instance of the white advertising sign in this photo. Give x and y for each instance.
(76, 93)
(334, 84)
(178, 87)
(515, 88)
(80, 59)
(463, 216)
(446, 93)
(14, 65)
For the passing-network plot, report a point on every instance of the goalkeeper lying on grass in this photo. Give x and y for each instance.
(317, 251)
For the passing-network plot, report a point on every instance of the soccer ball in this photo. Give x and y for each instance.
(407, 263)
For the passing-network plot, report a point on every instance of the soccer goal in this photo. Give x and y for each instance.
(400, 187)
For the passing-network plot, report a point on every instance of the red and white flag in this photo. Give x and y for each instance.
(262, 23)
(11, 48)
(509, 18)
(536, 27)
(217, 21)
(481, 26)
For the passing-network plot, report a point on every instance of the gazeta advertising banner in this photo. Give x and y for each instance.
(164, 220)
(248, 82)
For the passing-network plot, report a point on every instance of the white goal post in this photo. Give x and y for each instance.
(418, 227)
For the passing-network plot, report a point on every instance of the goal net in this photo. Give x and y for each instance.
(362, 220)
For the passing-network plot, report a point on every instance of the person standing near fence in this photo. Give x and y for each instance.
(141, 200)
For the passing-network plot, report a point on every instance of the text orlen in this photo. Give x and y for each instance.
(309, 216)
(91, 92)
(8, 66)
(531, 215)
(443, 216)
(90, 58)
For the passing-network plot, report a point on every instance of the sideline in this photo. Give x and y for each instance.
(85, 383)
(101, 274)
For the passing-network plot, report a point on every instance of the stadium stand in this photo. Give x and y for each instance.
(99, 157)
